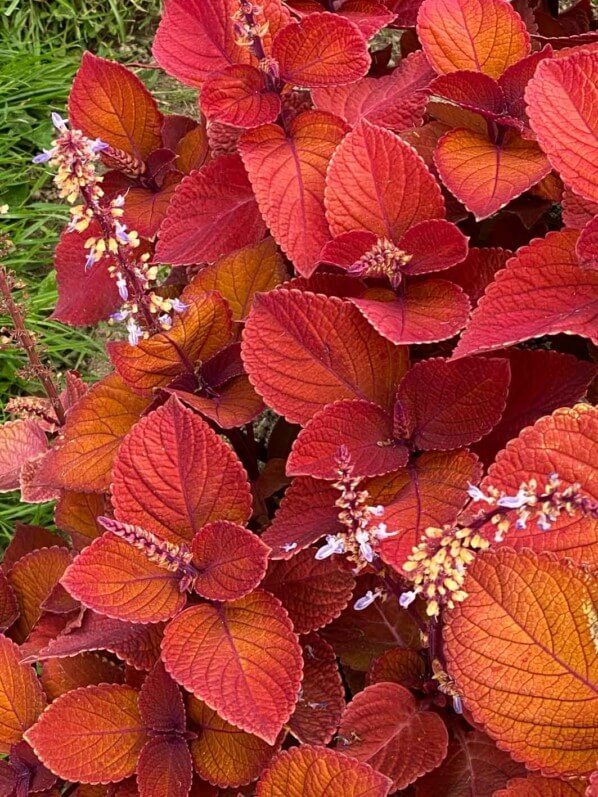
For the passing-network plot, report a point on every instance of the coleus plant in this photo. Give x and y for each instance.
(330, 525)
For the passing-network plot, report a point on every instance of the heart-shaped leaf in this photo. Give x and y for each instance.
(165, 768)
(59, 676)
(313, 771)
(287, 169)
(174, 474)
(377, 182)
(114, 578)
(21, 697)
(542, 291)
(321, 50)
(92, 735)
(239, 96)
(212, 213)
(252, 675)
(231, 561)
(563, 111)
(313, 592)
(384, 727)
(483, 35)
(324, 350)
(522, 638)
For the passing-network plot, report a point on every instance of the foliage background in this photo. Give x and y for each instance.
(41, 42)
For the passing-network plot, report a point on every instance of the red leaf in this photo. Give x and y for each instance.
(537, 786)
(315, 771)
(483, 35)
(321, 50)
(564, 116)
(577, 211)
(165, 768)
(377, 182)
(542, 291)
(385, 728)
(9, 608)
(396, 101)
(472, 758)
(20, 441)
(59, 676)
(196, 334)
(239, 96)
(145, 208)
(306, 513)
(472, 90)
(313, 592)
(161, 703)
(399, 666)
(240, 275)
(225, 755)
(565, 443)
(287, 170)
(429, 492)
(231, 561)
(21, 696)
(541, 382)
(197, 37)
(114, 578)
(364, 428)
(587, 246)
(134, 643)
(82, 459)
(320, 706)
(232, 404)
(477, 271)
(303, 351)
(93, 734)
(213, 212)
(370, 16)
(433, 246)
(485, 176)
(26, 539)
(424, 311)
(174, 474)
(111, 103)
(33, 579)
(84, 296)
(447, 407)
(252, 675)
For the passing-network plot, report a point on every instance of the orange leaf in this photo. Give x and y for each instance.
(33, 578)
(196, 334)
(63, 675)
(20, 441)
(109, 102)
(542, 291)
(77, 513)
(239, 96)
(384, 727)
(398, 666)
(82, 459)
(565, 443)
(26, 539)
(429, 492)
(222, 754)
(113, 578)
(21, 697)
(240, 275)
(313, 592)
(377, 182)
(520, 648)
(472, 758)
(9, 608)
(316, 771)
(485, 176)
(231, 561)
(93, 734)
(252, 675)
(321, 50)
(482, 35)
(303, 351)
(165, 768)
(536, 786)
(563, 110)
(288, 171)
(174, 474)
(322, 698)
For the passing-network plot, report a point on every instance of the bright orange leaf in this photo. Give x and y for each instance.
(21, 697)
